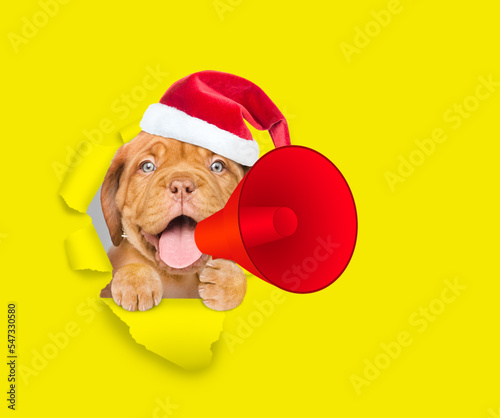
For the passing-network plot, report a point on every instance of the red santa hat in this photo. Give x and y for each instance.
(207, 109)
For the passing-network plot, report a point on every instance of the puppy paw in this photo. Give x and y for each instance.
(222, 285)
(136, 286)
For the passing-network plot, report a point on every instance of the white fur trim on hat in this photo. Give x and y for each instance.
(169, 122)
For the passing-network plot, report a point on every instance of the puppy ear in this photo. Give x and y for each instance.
(246, 169)
(110, 185)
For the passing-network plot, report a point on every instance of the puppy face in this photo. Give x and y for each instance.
(157, 189)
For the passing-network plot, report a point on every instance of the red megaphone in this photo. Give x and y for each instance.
(291, 221)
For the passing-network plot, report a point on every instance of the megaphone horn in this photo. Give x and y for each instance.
(291, 221)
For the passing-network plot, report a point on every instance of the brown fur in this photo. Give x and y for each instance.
(136, 202)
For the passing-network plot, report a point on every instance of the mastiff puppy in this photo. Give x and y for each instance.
(155, 192)
(194, 149)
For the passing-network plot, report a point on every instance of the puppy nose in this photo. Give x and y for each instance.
(179, 186)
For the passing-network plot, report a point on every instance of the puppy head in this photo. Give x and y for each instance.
(157, 189)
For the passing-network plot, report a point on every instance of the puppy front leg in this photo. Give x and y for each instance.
(136, 286)
(222, 285)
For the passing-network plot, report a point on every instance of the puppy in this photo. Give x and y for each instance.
(155, 192)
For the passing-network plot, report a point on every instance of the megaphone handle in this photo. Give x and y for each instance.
(260, 225)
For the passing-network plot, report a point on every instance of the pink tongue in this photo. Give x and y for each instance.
(177, 247)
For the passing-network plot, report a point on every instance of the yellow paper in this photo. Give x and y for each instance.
(82, 182)
(179, 330)
(366, 83)
(85, 251)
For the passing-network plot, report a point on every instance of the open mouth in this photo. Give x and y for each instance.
(175, 245)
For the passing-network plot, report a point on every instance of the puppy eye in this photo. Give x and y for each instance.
(148, 167)
(217, 166)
